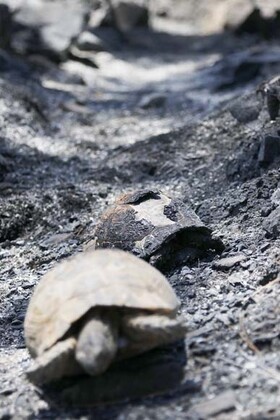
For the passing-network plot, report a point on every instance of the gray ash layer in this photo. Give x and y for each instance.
(74, 138)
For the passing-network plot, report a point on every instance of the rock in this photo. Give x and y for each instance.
(6, 391)
(257, 23)
(154, 100)
(85, 57)
(48, 27)
(229, 262)
(244, 66)
(5, 414)
(276, 197)
(100, 16)
(270, 91)
(213, 16)
(128, 14)
(264, 247)
(269, 149)
(236, 70)
(4, 165)
(236, 279)
(245, 109)
(226, 401)
(5, 26)
(54, 240)
(88, 41)
(253, 23)
(122, 15)
(272, 223)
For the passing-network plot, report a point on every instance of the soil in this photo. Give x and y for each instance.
(73, 138)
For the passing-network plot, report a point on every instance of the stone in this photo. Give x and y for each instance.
(54, 240)
(6, 19)
(257, 23)
(48, 27)
(85, 57)
(239, 69)
(229, 262)
(154, 100)
(269, 149)
(100, 16)
(226, 401)
(270, 91)
(88, 41)
(272, 223)
(276, 197)
(246, 109)
(129, 14)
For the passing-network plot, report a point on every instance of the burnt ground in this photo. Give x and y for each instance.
(73, 138)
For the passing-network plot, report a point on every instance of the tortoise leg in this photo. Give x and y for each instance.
(97, 342)
(145, 332)
(55, 363)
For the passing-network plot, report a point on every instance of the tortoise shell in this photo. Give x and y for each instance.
(154, 227)
(102, 278)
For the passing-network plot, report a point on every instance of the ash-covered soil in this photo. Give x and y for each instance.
(73, 138)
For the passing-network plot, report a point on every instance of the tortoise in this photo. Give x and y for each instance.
(159, 229)
(96, 308)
